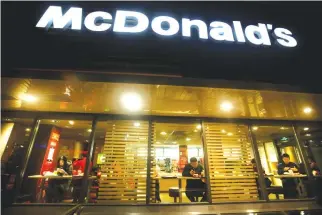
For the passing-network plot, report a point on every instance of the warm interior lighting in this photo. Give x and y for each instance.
(188, 139)
(226, 106)
(174, 142)
(230, 134)
(28, 129)
(137, 124)
(28, 98)
(308, 135)
(71, 122)
(223, 131)
(89, 130)
(195, 130)
(283, 128)
(157, 142)
(306, 129)
(255, 128)
(163, 133)
(307, 110)
(131, 101)
(198, 127)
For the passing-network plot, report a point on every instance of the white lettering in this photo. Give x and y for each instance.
(258, 35)
(54, 15)
(156, 25)
(239, 32)
(221, 31)
(286, 40)
(90, 19)
(121, 18)
(202, 28)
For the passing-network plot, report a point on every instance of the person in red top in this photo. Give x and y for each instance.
(78, 169)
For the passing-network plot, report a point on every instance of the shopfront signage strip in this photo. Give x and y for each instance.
(101, 21)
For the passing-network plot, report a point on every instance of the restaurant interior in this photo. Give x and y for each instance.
(144, 135)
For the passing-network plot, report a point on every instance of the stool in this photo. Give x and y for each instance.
(174, 192)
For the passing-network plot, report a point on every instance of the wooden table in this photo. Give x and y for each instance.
(299, 184)
(56, 177)
(180, 178)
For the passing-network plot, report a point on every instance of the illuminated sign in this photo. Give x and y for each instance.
(133, 22)
(284, 139)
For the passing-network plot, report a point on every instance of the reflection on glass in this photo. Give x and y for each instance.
(178, 171)
(14, 143)
(57, 162)
(284, 170)
(311, 139)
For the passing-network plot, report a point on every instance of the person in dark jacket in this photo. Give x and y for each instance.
(193, 187)
(57, 187)
(289, 184)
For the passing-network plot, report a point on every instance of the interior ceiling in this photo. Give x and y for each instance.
(73, 95)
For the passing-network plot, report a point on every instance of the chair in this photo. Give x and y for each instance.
(275, 190)
(174, 192)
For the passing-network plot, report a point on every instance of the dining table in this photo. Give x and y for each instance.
(43, 179)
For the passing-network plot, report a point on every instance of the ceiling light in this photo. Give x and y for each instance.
(283, 128)
(71, 122)
(163, 133)
(306, 129)
(28, 98)
(174, 142)
(308, 135)
(223, 131)
(131, 101)
(136, 124)
(230, 134)
(195, 130)
(255, 128)
(307, 110)
(89, 130)
(198, 127)
(188, 139)
(28, 129)
(226, 106)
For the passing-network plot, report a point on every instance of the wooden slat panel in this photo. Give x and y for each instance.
(232, 178)
(124, 170)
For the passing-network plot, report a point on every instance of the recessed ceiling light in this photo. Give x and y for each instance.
(188, 139)
(308, 135)
(28, 97)
(283, 128)
(230, 134)
(306, 129)
(131, 101)
(223, 131)
(198, 127)
(255, 128)
(89, 130)
(71, 122)
(163, 133)
(226, 106)
(307, 110)
(137, 124)
(28, 129)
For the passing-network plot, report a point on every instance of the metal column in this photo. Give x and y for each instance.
(203, 139)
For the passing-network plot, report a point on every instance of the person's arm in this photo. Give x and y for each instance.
(295, 168)
(186, 171)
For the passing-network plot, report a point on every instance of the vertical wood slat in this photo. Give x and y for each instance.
(153, 164)
(125, 168)
(231, 176)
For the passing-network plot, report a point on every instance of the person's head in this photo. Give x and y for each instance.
(62, 162)
(253, 161)
(311, 162)
(286, 158)
(194, 162)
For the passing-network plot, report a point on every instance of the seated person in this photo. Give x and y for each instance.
(190, 170)
(268, 182)
(57, 187)
(314, 167)
(289, 184)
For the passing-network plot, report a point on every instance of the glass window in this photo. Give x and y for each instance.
(283, 169)
(232, 177)
(120, 162)
(14, 143)
(57, 162)
(311, 138)
(178, 164)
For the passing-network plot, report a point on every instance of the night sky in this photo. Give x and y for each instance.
(25, 46)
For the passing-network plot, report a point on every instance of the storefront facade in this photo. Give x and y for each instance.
(127, 96)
